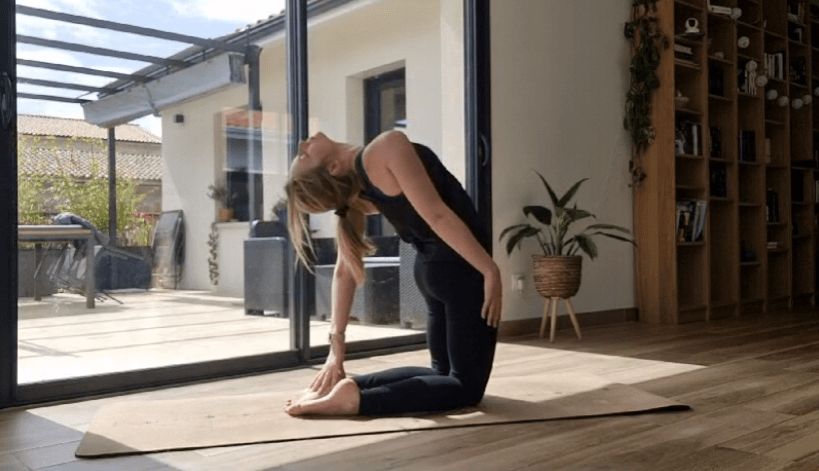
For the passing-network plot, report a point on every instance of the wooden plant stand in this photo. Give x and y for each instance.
(552, 303)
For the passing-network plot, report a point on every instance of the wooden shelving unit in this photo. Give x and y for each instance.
(755, 176)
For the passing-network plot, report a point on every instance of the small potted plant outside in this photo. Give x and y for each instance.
(557, 269)
(220, 194)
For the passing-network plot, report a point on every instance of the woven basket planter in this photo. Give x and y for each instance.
(557, 276)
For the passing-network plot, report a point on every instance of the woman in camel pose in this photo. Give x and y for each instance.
(460, 282)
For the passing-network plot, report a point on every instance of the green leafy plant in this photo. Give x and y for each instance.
(30, 196)
(646, 38)
(41, 192)
(555, 239)
(220, 194)
(90, 199)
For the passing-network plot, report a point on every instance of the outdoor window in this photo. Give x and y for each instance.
(385, 108)
(243, 166)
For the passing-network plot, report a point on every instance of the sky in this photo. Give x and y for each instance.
(202, 18)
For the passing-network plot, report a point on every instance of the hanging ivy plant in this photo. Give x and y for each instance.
(646, 37)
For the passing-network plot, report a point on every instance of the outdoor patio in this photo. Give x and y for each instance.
(60, 338)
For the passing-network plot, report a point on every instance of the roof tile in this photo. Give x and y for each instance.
(80, 163)
(67, 127)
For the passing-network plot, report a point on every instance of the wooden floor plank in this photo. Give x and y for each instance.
(753, 383)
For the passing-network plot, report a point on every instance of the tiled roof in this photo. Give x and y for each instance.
(67, 127)
(79, 163)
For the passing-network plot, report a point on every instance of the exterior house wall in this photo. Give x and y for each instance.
(559, 77)
(342, 54)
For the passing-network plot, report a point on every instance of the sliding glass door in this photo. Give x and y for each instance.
(197, 279)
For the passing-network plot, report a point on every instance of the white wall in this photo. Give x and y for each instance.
(559, 77)
(188, 166)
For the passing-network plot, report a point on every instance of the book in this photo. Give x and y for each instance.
(719, 180)
(747, 146)
(691, 217)
(699, 220)
(716, 141)
(767, 150)
(797, 186)
(771, 205)
(716, 81)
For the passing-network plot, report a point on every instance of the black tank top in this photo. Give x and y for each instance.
(410, 226)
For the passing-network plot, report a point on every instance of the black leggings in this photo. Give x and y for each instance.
(462, 347)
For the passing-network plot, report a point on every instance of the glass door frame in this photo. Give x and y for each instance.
(478, 165)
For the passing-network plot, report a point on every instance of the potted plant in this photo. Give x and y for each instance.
(220, 194)
(557, 270)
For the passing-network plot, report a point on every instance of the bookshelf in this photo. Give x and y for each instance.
(746, 157)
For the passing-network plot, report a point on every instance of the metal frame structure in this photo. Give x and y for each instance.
(294, 22)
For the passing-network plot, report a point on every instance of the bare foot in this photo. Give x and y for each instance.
(343, 400)
(306, 395)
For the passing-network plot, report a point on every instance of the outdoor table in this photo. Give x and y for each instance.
(38, 235)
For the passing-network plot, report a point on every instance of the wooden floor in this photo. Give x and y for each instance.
(753, 384)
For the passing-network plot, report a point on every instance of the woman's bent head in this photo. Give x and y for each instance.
(313, 189)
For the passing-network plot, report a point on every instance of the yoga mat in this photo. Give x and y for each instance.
(182, 424)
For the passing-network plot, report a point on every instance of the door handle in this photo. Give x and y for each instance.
(6, 102)
(483, 149)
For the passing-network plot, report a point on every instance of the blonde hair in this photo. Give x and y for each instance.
(316, 191)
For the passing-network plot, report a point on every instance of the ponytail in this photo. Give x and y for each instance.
(352, 244)
(317, 191)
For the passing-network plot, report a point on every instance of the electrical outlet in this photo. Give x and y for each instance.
(518, 282)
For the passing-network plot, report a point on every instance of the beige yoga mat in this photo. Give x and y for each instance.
(183, 424)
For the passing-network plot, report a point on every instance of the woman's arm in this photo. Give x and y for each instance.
(403, 162)
(342, 294)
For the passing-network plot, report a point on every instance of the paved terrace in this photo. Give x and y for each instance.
(60, 338)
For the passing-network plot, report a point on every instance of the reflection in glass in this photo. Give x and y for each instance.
(376, 67)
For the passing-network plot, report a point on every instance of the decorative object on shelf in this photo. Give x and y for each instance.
(692, 26)
(743, 42)
(646, 38)
(807, 99)
(688, 140)
(680, 101)
(772, 94)
(797, 103)
(816, 91)
(719, 9)
(783, 101)
(761, 80)
(799, 70)
(747, 77)
(736, 13)
(683, 53)
(557, 272)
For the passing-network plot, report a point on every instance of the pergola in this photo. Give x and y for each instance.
(205, 66)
